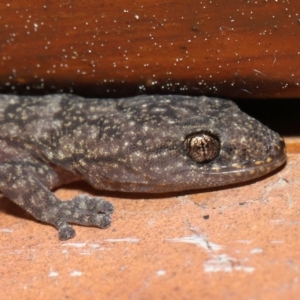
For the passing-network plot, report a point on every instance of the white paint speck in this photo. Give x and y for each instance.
(95, 246)
(161, 272)
(53, 274)
(199, 240)
(256, 250)
(76, 273)
(7, 230)
(75, 245)
(65, 251)
(224, 263)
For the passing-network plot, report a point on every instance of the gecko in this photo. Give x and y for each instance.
(149, 144)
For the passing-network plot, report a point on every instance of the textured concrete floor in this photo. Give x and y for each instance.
(237, 243)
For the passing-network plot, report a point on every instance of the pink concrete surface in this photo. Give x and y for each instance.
(237, 243)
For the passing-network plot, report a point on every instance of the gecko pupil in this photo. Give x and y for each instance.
(202, 147)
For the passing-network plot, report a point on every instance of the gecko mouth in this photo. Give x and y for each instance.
(256, 168)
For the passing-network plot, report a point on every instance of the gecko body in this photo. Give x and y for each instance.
(150, 144)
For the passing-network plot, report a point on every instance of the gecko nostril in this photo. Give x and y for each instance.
(282, 146)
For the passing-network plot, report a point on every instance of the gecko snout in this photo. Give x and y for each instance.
(277, 153)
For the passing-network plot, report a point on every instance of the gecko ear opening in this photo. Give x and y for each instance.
(202, 146)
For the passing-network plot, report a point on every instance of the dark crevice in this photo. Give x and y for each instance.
(281, 115)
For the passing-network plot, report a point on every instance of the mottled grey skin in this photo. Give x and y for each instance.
(133, 145)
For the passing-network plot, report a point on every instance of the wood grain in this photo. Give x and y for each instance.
(236, 49)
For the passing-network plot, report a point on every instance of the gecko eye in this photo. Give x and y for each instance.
(202, 146)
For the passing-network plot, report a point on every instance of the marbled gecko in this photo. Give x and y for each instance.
(147, 144)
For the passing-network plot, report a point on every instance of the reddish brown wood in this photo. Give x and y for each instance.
(231, 48)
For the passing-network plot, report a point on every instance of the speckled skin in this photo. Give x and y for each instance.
(132, 145)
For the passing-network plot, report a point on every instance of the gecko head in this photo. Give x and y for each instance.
(221, 145)
(191, 143)
(175, 143)
(233, 157)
